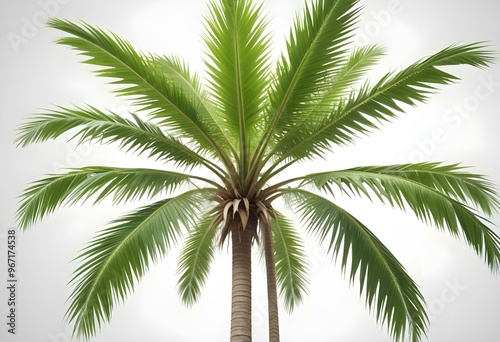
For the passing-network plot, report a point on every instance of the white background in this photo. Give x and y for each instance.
(458, 125)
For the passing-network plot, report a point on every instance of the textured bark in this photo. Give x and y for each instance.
(272, 292)
(241, 306)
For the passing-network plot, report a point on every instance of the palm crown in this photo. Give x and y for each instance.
(228, 138)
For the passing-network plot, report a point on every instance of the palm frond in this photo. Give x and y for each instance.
(46, 195)
(237, 59)
(132, 135)
(144, 83)
(316, 50)
(388, 289)
(365, 110)
(290, 259)
(195, 259)
(114, 260)
(341, 84)
(358, 63)
(177, 72)
(440, 195)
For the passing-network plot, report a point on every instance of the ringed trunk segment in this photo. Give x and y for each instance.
(272, 292)
(241, 299)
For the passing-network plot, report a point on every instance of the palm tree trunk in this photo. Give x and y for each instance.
(241, 306)
(272, 292)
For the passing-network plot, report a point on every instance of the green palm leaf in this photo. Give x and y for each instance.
(195, 259)
(46, 195)
(237, 62)
(367, 108)
(355, 68)
(388, 289)
(434, 193)
(133, 135)
(143, 83)
(290, 259)
(341, 83)
(118, 256)
(177, 71)
(316, 50)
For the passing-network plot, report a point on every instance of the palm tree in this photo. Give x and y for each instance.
(223, 147)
